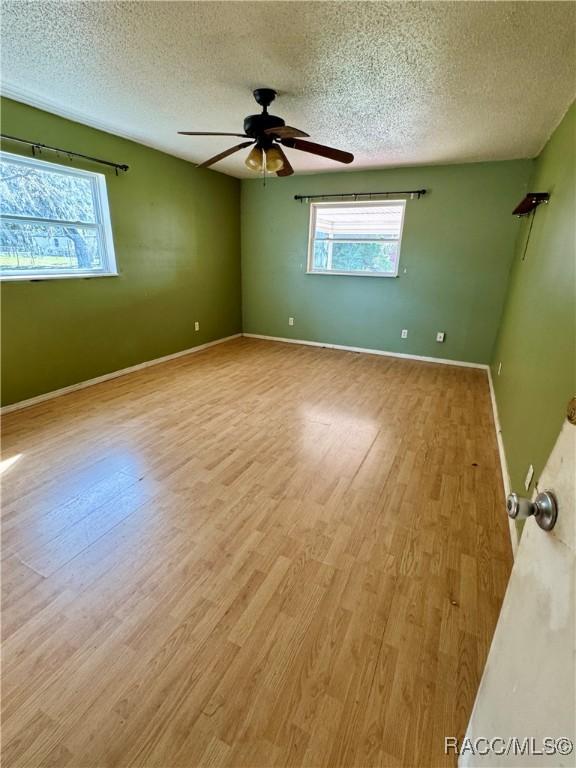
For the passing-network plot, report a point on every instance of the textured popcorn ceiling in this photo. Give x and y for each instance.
(394, 82)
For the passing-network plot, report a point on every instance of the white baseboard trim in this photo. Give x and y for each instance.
(368, 351)
(503, 462)
(113, 375)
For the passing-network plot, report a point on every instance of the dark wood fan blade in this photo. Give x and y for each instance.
(208, 133)
(285, 132)
(319, 149)
(224, 154)
(287, 170)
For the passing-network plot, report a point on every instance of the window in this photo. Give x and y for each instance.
(54, 221)
(356, 238)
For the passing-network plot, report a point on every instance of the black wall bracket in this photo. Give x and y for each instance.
(530, 203)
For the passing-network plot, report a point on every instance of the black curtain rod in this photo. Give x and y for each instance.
(418, 192)
(37, 145)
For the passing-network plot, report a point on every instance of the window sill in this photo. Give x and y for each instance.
(38, 278)
(348, 274)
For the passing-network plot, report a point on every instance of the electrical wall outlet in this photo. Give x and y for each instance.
(440, 336)
(529, 476)
(499, 368)
(196, 326)
(404, 334)
(290, 321)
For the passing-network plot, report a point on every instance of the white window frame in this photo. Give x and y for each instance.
(102, 225)
(310, 270)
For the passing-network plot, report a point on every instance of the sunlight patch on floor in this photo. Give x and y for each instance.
(7, 464)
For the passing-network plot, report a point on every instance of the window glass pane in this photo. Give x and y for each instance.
(320, 254)
(361, 238)
(374, 222)
(28, 190)
(364, 257)
(29, 247)
(54, 221)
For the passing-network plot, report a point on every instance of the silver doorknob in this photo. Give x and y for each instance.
(544, 508)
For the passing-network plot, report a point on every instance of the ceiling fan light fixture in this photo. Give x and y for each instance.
(274, 159)
(267, 134)
(255, 159)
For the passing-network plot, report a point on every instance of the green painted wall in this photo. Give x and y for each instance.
(537, 340)
(176, 234)
(457, 249)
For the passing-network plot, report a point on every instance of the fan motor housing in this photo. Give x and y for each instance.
(255, 125)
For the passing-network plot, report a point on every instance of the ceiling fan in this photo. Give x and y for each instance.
(266, 133)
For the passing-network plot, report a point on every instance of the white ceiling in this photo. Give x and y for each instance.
(395, 83)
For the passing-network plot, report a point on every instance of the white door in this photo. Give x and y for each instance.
(527, 690)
